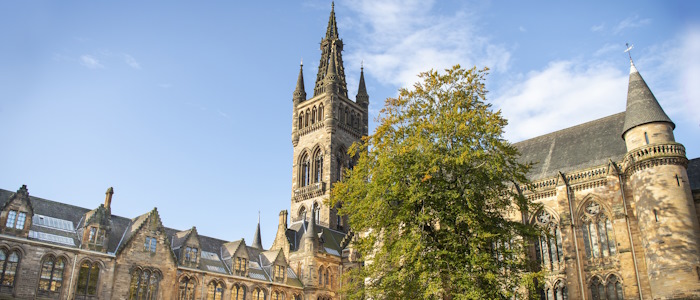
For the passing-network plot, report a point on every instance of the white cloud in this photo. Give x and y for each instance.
(129, 60)
(563, 94)
(630, 22)
(90, 62)
(404, 38)
(598, 27)
(522, 29)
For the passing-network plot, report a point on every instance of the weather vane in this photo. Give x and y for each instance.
(629, 50)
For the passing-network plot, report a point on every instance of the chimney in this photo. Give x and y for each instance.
(283, 219)
(108, 197)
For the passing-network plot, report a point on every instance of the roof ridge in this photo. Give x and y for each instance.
(571, 128)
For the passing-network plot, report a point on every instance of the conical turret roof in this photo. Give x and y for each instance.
(299, 91)
(362, 89)
(642, 107)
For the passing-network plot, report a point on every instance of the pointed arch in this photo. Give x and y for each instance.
(321, 116)
(300, 123)
(187, 287)
(215, 289)
(596, 227)
(313, 115)
(51, 275)
(548, 247)
(88, 278)
(238, 291)
(304, 169)
(317, 164)
(301, 212)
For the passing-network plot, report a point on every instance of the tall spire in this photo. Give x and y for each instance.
(332, 30)
(299, 92)
(331, 75)
(362, 89)
(257, 241)
(642, 107)
(331, 50)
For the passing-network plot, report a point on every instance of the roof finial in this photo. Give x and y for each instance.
(629, 52)
(362, 65)
(302, 62)
(332, 5)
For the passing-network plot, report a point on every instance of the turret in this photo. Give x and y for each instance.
(299, 96)
(656, 178)
(257, 240)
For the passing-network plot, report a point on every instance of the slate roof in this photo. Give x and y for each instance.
(331, 238)
(694, 174)
(574, 148)
(211, 249)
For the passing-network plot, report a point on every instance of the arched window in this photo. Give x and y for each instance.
(297, 297)
(597, 289)
(560, 292)
(352, 119)
(598, 236)
(238, 292)
(187, 288)
(321, 117)
(357, 121)
(215, 290)
(88, 278)
(306, 119)
(8, 269)
(326, 274)
(301, 120)
(340, 114)
(614, 288)
(144, 284)
(548, 248)
(51, 277)
(320, 276)
(277, 295)
(318, 166)
(313, 115)
(305, 170)
(302, 213)
(317, 211)
(258, 294)
(346, 119)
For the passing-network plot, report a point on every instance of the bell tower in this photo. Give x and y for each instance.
(323, 128)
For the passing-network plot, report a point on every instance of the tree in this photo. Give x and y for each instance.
(433, 198)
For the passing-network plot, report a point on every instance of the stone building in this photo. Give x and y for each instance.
(618, 195)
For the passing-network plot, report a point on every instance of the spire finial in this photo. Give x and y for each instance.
(302, 62)
(257, 240)
(362, 65)
(629, 52)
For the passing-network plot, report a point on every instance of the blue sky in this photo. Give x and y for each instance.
(187, 105)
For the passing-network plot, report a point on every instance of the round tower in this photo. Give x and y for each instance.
(657, 180)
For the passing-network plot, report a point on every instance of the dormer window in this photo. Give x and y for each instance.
(96, 238)
(15, 219)
(240, 266)
(278, 273)
(150, 244)
(191, 254)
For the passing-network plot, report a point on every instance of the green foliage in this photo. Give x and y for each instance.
(432, 198)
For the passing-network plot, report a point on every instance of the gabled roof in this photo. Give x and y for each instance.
(578, 147)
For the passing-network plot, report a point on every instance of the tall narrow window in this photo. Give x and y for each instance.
(338, 168)
(88, 277)
(313, 115)
(317, 211)
(277, 295)
(318, 166)
(215, 290)
(346, 119)
(646, 137)
(306, 119)
(11, 216)
(598, 235)
(51, 277)
(258, 294)
(549, 247)
(300, 124)
(187, 288)
(305, 170)
(8, 269)
(321, 117)
(238, 292)
(21, 217)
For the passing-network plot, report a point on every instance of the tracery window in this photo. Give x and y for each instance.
(258, 294)
(548, 248)
(318, 166)
(8, 269)
(598, 236)
(610, 291)
(144, 284)
(187, 288)
(238, 292)
(305, 170)
(215, 290)
(87, 281)
(51, 277)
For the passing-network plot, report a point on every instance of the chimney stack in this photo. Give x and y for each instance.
(108, 197)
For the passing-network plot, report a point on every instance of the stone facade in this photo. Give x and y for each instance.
(618, 197)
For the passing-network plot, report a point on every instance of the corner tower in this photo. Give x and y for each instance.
(657, 180)
(323, 128)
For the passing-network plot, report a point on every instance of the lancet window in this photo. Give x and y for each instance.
(258, 294)
(88, 278)
(598, 235)
(313, 115)
(548, 247)
(238, 292)
(318, 166)
(187, 288)
(215, 290)
(305, 170)
(144, 284)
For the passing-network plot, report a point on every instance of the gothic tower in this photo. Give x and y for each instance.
(656, 178)
(323, 128)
